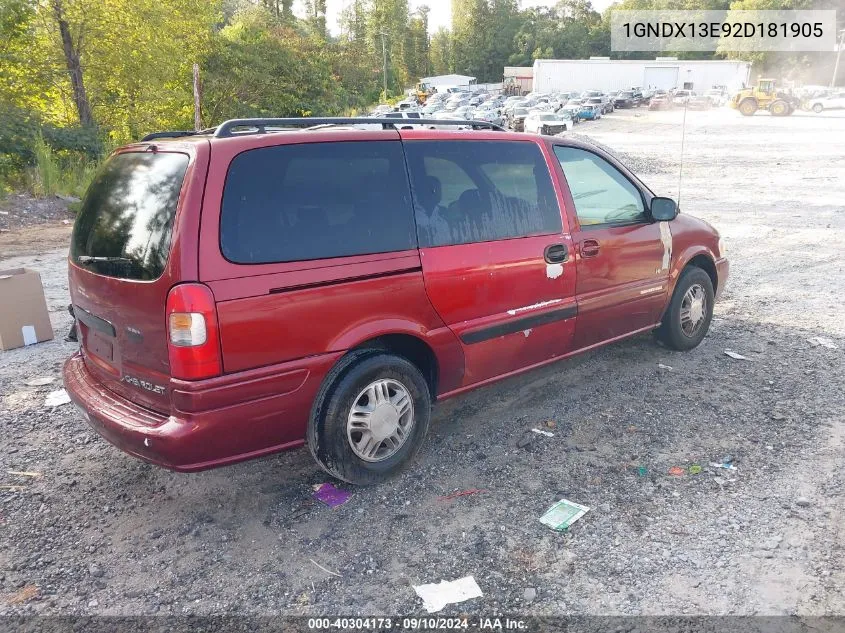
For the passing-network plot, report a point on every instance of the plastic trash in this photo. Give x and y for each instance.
(724, 466)
(56, 398)
(735, 355)
(331, 496)
(563, 514)
(822, 341)
(695, 469)
(542, 432)
(677, 471)
(437, 596)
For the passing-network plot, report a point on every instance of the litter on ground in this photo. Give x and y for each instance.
(23, 473)
(677, 471)
(462, 493)
(563, 514)
(695, 469)
(56, 398)
(542, 432)
(437, 596)
(724, 466)
(662, 366)
(328, 571)
(817, 341)
(331, 496)
(40, 381)
(735, 355)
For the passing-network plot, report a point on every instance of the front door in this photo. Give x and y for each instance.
(498, 266)
(623, 257)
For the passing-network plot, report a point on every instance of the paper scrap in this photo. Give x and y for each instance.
(662, 366)
(437, 596)
(40, 381)
(29, 336)
(331, 496)
(542, 432)
(563, 514)
(824, 342)
(735, 356)
(56, 398)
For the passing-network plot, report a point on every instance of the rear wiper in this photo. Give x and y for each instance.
(88, 259)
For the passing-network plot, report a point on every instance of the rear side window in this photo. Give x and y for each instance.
(480, 191)
(124, 227)
(316, 200)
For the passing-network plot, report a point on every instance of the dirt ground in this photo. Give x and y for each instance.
(99, 532)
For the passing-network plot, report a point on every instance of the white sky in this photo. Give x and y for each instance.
(441, 10)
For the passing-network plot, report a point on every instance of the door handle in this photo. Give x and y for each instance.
(556, 253)
(589, 248)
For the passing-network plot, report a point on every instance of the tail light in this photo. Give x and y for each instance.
(193, 341)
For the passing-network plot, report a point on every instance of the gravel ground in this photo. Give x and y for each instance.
(99, 532)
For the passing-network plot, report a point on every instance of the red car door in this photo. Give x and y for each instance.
(623, 257)
(497, 259)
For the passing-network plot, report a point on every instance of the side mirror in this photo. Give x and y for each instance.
(663, 209)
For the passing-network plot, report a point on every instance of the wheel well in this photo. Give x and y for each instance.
(707, 265)
(412, 349)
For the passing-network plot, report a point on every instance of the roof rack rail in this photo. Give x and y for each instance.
(229, 128)
(175, 134)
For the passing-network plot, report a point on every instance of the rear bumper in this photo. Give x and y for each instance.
(213, 422)
(723, 269)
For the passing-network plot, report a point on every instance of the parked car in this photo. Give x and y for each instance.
(490, 115)
(571, 111)
(545, 123)
(590, 112)
(604, 104)
(682, 97)
(832, 101)
(717, 97)
(407, 116)
(516, 120)
(624, 100)
(246, 291)
(699, 102)
(660, 101)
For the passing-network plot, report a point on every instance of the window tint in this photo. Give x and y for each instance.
(602, 195)
(479, 191)
(124, 227)
(316, 200)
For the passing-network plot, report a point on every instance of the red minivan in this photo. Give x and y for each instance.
(258, 287)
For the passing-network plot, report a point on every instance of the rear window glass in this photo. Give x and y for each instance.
(124, 227)
(316, 200)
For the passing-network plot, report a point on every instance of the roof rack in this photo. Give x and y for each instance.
(243, 127)
(175, 134)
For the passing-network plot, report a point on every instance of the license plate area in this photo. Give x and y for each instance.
(99, 346)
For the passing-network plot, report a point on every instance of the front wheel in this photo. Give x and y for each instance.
(369, 418)
(817, 108)
(748, 107)
(690, 311)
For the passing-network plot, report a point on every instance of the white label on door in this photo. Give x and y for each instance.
(29, 337)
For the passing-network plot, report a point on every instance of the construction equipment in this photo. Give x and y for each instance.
(765, 96)
(423, 92)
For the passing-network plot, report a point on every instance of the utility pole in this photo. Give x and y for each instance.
(384, 51)
(197, 122)
(838, 55)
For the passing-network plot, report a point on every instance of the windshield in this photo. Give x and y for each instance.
(123, 229)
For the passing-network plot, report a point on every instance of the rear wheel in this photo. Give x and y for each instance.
(779, 108)
(690, 311)
(817, 108)
(370, 417)
(748, 107)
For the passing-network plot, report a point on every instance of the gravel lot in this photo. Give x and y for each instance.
(102, 533)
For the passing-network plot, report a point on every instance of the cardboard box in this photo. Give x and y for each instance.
(24, 319)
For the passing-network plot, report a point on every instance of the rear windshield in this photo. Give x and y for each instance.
(124, 227)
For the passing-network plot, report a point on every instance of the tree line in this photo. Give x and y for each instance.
(87, 73)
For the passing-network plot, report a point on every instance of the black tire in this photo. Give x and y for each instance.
(748, 107)
(818, 108)
(779, 108)
(670, 332)
(327, 435)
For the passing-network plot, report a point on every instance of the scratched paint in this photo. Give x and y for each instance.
(535, 306)
(553, 271)
(526, 333)
(666, 238)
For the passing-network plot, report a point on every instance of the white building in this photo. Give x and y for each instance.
(663, 73)
(448, 81)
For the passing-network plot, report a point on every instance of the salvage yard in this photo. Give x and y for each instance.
(85, 528)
